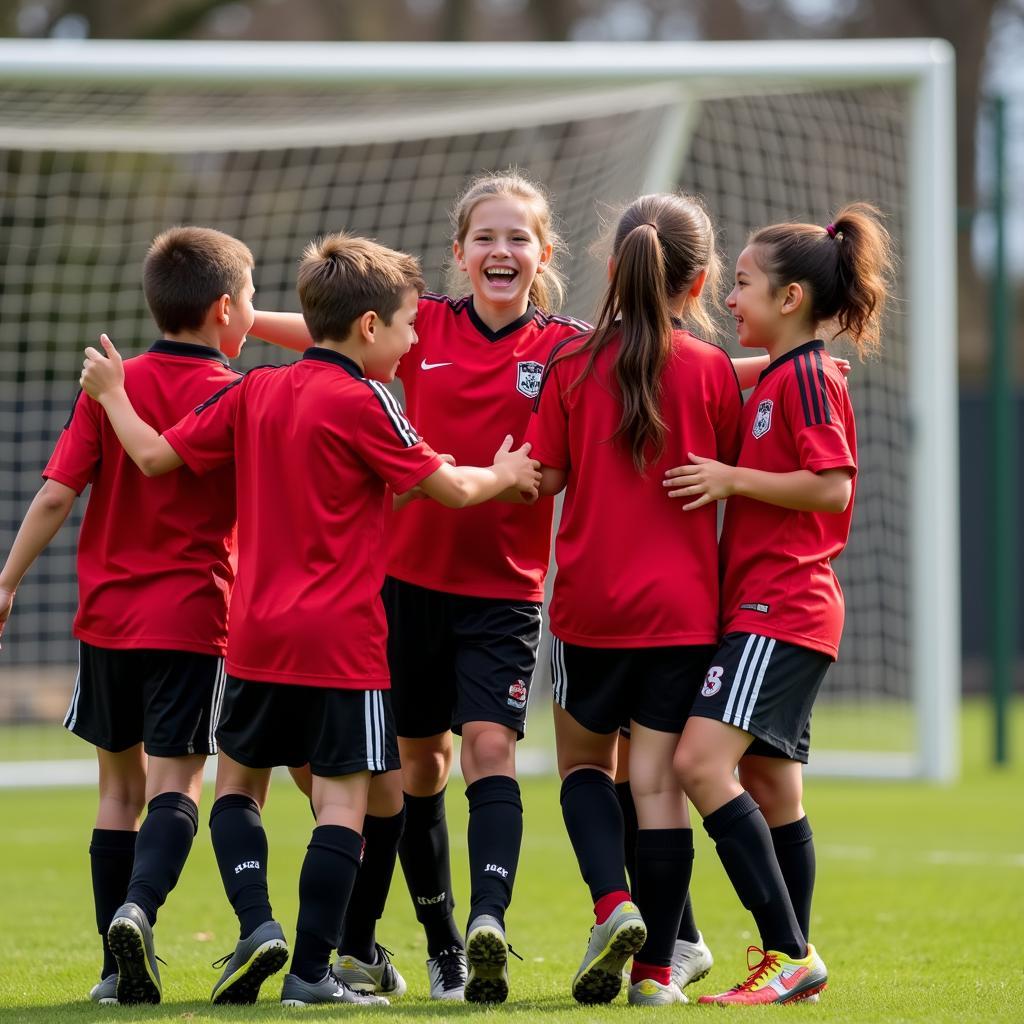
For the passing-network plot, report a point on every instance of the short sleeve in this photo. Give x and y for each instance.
(817, 409)
(388, 443)
(548, 429)
(205, 438)
(730, 415)
(79, 447)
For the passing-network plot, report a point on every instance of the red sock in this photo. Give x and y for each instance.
(606, 904)
(662, 975)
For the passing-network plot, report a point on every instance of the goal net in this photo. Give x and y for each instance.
(105, 146)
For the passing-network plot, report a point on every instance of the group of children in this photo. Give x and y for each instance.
(373, 612)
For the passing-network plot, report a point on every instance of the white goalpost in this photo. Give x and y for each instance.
(107, 143)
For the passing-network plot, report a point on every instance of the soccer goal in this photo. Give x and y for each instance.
(107, 143)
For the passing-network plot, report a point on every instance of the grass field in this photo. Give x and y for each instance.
(919, 909)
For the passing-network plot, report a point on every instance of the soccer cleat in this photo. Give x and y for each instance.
(447, 973)
(104, 991)
(254, 960)
(329, 989)
(611, 944)
(380, 977)
(649, 992)
(130, 937)
(776, 978)
(691, 961)
(487, 957)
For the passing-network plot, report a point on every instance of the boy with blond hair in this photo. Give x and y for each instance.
(317, 448)
(154, 574)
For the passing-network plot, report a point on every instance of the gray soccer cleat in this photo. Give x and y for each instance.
(329, 989)
(104, 991)
(691, 961)
(612, 943)
(130, 938)
(447, 972)
(255, 959)
(487, 956)
(379, 977)
(652, 993)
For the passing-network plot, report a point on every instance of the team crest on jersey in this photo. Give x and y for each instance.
(528, 378)
(763, 419)
(517, 694)
(712, 681)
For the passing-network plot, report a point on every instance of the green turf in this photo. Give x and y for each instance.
(919, 910)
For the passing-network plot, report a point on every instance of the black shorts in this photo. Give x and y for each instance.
(603, 687)
(765, 687)
(457, 659)
(167, 700)
(335, 732)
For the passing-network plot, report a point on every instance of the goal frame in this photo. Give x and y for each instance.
(925, 67)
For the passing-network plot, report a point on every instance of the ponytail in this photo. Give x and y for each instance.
(662, 243)
(846, 266)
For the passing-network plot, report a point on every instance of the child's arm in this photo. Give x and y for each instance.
(461, 486)
(706, 480)
(286, 330)
(45, 516)
(103, 379)
(749, 369)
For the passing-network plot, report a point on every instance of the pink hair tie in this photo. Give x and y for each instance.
(831, 231)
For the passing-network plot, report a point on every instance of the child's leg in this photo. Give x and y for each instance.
(382, 830)
(495, 816)
(424, 846)
(328, 870)
(664, 853)
(122, 795)
(706, 759)
(776, 784)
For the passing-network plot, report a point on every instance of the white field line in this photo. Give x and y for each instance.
(934, 858)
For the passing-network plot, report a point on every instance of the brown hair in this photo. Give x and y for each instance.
(341, 277)
(547, 290)
(661, 244)
(845, 266)
(186, 270)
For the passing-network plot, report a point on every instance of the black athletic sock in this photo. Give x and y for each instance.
(165, 839)
(664, 863)
(593, 820)
(495, 838)
(688, 931)
(111, 855)
(794, 850)
(373, 881)
(744, 845)
(325, 884)
(240, 846)
(426, 863)
(630, 826)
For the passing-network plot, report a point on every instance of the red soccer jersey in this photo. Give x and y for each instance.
(776, 562)
(315, 446)
(634, 570)
(466, 387)
(154, 555)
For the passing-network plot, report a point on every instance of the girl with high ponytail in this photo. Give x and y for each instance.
(787, 517)
(634, 613)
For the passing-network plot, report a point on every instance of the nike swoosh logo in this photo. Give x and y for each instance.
(432, 366)
(789, 981)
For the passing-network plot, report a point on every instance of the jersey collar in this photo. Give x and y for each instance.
(163, 347)
(326, 355)
(488, 334)
(807, 346)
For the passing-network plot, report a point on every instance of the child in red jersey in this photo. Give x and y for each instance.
(790, 501)
(154, 575)
(635, 607)
(464, 591)
(315, 446)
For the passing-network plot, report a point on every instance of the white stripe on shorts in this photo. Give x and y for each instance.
(373, 710)
(748, 678)
(72, 716)
(559, 678)
(216, 700)
(757, 686)
(737, 679)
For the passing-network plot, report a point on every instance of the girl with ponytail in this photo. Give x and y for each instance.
(787, 517)
(634, 613)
